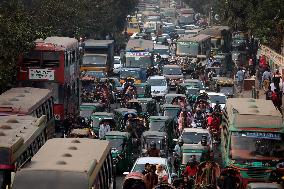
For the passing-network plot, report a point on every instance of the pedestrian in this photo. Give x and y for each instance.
(160, 172)
(276, 79)
(266, 78)
(277, 99)
(240, 79)
(190, 169)
(104, 128)
(268, 93)
(151, 178)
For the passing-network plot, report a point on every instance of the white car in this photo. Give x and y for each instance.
(194, 136)
(117, 64)
(159, 86)
(214, 97)
(139, 165)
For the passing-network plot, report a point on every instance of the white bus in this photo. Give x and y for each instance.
(71, 163)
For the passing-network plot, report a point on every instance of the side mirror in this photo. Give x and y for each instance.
(125, 173)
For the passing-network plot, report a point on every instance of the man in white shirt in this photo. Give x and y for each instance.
(104, 128)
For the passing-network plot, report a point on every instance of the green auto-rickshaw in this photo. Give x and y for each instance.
(99, 117)
(163, 124)
(169, 98)
(120, 116)
(121, 149)
(170, 110)
(194, 151)
(143, 90)
(160, 138)
(91, 107)
(144, 106)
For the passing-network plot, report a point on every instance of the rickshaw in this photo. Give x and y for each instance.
(200, 152)
(143, 90)
(224, 85)
(170, 110)
(121, 149)
(229, 171)
(144, 106)
(119, 117)
(80, 133)
(134, 180)
(88, 89)
(99, 117)
(160, 138)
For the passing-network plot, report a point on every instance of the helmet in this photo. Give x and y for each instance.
(153, 145)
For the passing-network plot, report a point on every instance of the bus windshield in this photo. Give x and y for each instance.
(172, 71)
(157, 82)
(129, 73)
(257, 146)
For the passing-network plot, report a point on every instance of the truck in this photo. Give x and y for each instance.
(98, 55)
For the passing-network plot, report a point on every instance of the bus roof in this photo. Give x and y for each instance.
(196, 38)
(69, 154)
(98, 43)
(253, 113)
(23, 100)
(16, 130)
(56, 43)
(140, 45)
(68, 162)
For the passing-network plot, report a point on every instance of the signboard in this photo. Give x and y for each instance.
(260, 135)
(41, 74)
(137, 54)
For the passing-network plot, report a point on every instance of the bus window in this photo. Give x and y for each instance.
(51, 59)
(32, 58)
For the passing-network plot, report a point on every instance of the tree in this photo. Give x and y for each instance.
(16, 36)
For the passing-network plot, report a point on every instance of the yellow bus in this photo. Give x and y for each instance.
(20, 138)
(71, 163)
(133, 26)
(29, 101)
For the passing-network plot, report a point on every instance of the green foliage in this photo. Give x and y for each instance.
(263, 19)
(23, 21)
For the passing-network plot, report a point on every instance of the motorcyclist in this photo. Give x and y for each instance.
(153, 151)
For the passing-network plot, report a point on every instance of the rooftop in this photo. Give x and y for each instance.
(57, 43)
(23, 100)
(214, 31)
(197, 38)
(92, 42)
(16, 130)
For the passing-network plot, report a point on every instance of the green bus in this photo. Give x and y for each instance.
(252, 138)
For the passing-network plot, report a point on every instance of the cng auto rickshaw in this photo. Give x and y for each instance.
(98, 118)
(143, 90)
(87, 108)
(145, 106)
(163, 124)
(121, 149)
(160, 138)
(188, 151)
(119, 117)
(170, 110)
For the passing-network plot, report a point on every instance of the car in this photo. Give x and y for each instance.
(174, 75)
(214, 97)
(194, 83)
(159, 85)
(194, 136)
(117, 64)
(263, 185)
(139, 165)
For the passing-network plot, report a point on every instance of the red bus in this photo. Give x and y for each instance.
(54, 64)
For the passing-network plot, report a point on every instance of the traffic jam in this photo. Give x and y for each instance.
(180, 106)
